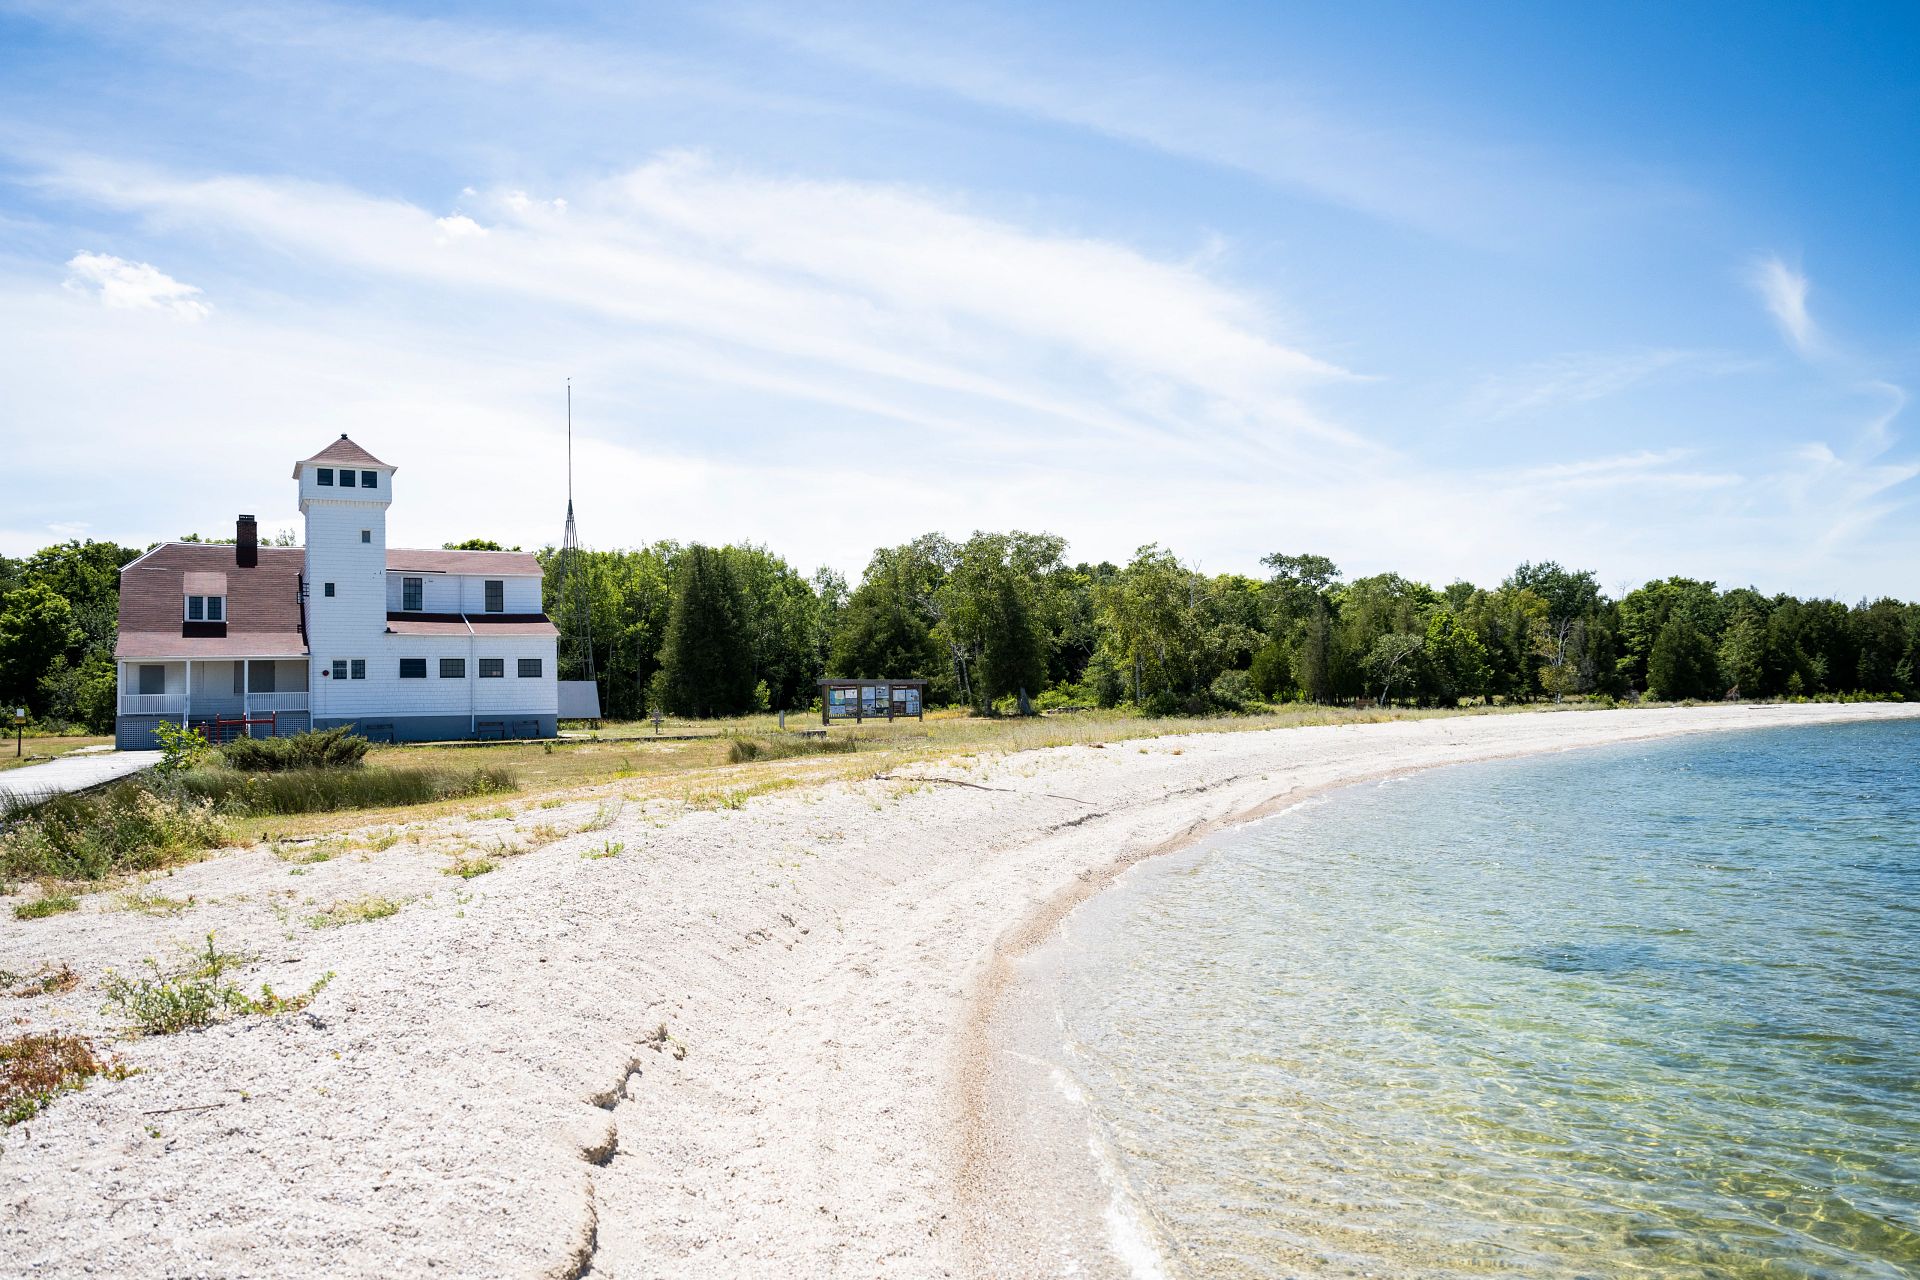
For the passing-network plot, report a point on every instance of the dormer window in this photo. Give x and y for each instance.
(411, 591)
(206, 608)
(325, 478)
(496, 595)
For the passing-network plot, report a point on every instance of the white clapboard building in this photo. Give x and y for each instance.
(404, 645)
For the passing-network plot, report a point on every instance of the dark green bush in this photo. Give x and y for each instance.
(336, 748)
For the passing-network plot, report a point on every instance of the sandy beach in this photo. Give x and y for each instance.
(659, 1040)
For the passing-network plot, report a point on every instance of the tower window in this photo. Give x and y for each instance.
(325, 477)
(366, 535)
(411, 591)
(369, 479)
(339, 668)
(359, 668)
(346, 478)
(327, 590)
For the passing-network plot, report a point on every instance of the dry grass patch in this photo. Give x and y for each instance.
(37, 1068)
(467, 868)
(155, 904)
(48, 980)
(356, 911)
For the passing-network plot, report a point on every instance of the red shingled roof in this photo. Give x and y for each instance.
(342, 452)
(507, 564)
(263, 604)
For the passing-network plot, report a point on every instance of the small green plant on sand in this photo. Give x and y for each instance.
(608, 849)
(48, 904)
(356, 911)
(467, 868)
(155, 904)
(195, 995)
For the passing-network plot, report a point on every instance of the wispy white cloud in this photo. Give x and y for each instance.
(134, 286)
(1784, 291)
(1284, 129)
(1578, 378)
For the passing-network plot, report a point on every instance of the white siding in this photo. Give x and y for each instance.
(464, 593)
(383, 695)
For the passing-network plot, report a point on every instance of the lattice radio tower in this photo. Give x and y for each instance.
(576, 603)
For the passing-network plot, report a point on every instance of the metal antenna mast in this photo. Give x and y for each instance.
(576, 609)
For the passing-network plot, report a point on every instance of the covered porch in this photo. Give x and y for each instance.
(224, 696)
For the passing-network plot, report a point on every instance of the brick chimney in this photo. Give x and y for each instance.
(246, 542)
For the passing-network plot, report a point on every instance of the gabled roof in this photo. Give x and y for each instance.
(342, 452)
(505, 564)
(263, 616)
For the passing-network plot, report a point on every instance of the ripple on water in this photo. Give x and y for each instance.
(1649, 1011)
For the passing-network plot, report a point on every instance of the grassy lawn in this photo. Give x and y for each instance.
(40, 750)
(689, 760)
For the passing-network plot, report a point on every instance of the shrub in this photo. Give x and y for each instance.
(327, 789)
(741, 750)
(180, 747)
(336, 748)
(90, 835)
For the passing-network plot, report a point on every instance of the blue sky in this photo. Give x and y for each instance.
(1429, 288)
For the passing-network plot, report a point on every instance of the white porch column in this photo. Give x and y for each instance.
(246, 692)
(186, 703)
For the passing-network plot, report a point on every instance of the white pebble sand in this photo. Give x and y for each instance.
(482, 1090)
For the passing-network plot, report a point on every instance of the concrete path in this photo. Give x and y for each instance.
(74, 772)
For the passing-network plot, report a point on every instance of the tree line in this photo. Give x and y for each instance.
(1002, 618)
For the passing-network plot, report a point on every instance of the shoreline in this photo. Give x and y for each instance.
(993, 1187)
(738, 1043)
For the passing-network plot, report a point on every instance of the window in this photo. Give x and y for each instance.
(369, 479)
(413, 668)
(328, 590)
(496, 595)
(261, 677)
(529, 668)
(196, 608)
(206, 608)
(359, 668)
(366, 535)
(339, 668)
(493, 668)
(153, 679)
(346, 478)
(216, 608)
(453, 668)
(411, 589)
(239, 685)
(326, 477)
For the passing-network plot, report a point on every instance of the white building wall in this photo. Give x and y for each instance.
(353, 622)
(464, 593)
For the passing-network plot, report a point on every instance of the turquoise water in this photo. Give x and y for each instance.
(1641, 1011)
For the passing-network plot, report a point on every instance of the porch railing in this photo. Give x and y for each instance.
(152, 704)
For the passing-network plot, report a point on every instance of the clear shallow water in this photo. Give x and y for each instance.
(1645, 1011)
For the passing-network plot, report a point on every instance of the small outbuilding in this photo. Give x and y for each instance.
(859, 700)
